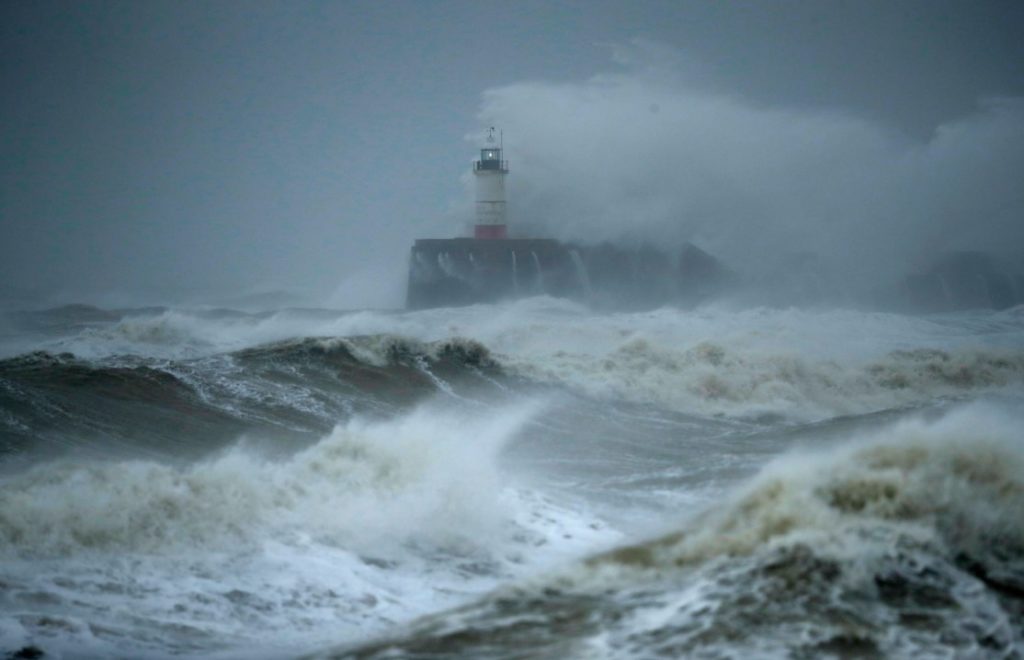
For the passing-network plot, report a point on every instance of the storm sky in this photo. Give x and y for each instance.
(157, 152)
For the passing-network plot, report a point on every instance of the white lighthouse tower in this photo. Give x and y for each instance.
(489, 173)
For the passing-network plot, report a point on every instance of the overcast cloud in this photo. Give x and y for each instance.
(172, 151)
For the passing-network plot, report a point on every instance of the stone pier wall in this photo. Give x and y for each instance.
(466, 271)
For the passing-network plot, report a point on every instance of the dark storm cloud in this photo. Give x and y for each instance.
(160, 150)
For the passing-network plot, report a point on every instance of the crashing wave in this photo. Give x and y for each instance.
(378, 350)
(910, 543)
(377, 522)
(300, 386)
(714, 379)
(365, 480)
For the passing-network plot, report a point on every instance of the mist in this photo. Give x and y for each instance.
(290, 153)
(648, 155)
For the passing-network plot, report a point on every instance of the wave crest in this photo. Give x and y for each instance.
(430, 475)
(959, 480)
(906, 544)
(381, 350)
(713, 379)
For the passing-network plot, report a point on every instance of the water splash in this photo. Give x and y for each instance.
(581, 273)
(540, 272)
(515, 273)
(444, 260)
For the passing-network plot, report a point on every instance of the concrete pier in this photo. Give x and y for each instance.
(465, 271)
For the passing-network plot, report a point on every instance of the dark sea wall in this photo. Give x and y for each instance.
(965, 280)
(466, 271)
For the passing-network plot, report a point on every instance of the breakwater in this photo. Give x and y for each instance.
(466, 271)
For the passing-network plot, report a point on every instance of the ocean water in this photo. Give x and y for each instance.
(527, 479)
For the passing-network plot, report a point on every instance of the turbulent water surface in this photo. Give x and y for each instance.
(529, 479)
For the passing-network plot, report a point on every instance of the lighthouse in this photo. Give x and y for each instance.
(490, 172)
(489, 266)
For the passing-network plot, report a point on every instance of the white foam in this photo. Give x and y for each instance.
(805, 364)
(375, 524)
(904, 543)
(957, 481)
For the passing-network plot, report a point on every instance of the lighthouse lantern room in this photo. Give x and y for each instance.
(489, 173)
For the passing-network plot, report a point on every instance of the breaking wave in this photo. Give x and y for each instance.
(204, 482)
(380, 350)
(908, 543)
(800, 365)
(427, 473)
(302, 386)
(957, 482)
(265, 554)
(377, 522)
(714, 379)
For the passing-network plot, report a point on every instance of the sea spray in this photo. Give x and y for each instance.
(959, 480)
(302, 537)
(376, 523)
(428, 473)
(714, 379)
(908, 542)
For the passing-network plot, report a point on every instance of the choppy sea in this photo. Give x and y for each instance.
(528, 479)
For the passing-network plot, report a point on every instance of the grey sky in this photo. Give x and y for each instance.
(152, 150)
